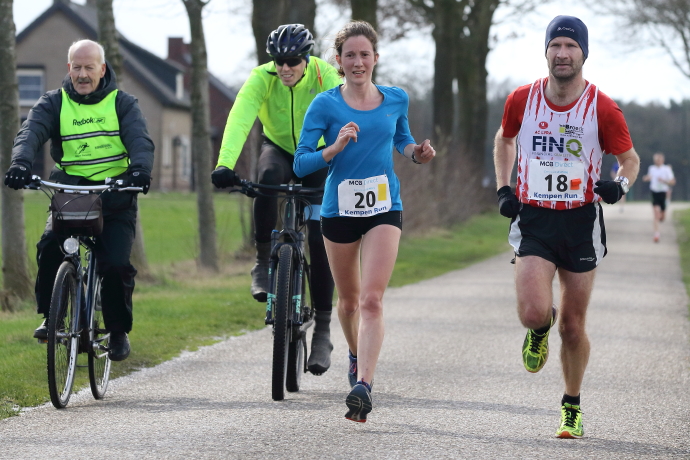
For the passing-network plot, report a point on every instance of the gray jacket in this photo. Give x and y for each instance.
(43, 123)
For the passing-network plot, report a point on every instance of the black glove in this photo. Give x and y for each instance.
(508, 203)
(224, 177)
(139, 179)
(17, 176)
(609, 191)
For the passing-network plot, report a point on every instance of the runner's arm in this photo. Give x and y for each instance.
(629, 163)
(505, 152)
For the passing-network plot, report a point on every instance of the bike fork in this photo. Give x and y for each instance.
(272, 265)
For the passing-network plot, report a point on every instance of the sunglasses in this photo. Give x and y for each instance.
(291, 62)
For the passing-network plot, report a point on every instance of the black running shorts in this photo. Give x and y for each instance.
(659, 199)
(350, 229)
(573, 239)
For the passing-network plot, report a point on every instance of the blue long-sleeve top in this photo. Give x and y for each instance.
(380, 129)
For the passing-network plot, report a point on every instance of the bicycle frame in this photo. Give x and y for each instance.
(290, 235)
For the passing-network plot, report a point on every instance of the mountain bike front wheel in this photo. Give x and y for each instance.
(281, 313)
(63, 337)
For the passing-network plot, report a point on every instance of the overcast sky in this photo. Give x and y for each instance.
(642, 74)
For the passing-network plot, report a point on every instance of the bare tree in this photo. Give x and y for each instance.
(664, 23)
(461, 32)
(267, 15)
(16, 281)
(108, 37)
(202, 155)
(365, 10)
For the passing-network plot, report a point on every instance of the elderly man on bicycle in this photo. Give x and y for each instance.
(279, 93)
(97, 132)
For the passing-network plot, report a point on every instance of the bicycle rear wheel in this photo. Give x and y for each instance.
(63, 340)
(281, 331)
(295, 364)
(99, 363)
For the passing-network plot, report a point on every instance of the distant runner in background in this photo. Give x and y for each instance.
(661, 179)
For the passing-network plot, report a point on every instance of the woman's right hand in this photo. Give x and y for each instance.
(347, 132)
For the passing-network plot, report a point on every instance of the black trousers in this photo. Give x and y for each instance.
(275, 168)
(113, 248)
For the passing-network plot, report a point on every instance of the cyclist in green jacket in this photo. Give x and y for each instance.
(279, 93)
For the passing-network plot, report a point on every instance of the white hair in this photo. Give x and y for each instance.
(79, 44)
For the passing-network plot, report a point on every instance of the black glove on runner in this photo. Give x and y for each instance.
(609, 191)
(508, 203)
(224, 177)
(139, 179)
(17, 176)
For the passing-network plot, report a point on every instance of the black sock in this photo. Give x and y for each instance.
(545, 329)
(572, 400)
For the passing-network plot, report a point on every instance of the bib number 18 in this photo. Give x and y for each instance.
(561, 182)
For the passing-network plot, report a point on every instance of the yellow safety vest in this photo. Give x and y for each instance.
(91, 143)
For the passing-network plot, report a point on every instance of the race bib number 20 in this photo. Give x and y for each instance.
(556, 180)
(364, 197)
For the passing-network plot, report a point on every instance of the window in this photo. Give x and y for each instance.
(30, 83)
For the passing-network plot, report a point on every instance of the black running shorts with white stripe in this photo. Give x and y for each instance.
(572, 239)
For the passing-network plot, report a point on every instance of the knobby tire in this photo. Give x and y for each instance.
(281, 313)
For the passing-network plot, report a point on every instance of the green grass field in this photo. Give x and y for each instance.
(187, 308)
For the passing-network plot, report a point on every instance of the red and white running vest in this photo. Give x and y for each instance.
(559, 155)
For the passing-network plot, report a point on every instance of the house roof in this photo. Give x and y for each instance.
(156, 74)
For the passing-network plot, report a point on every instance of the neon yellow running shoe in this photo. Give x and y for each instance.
(571, 422)
(535, 348)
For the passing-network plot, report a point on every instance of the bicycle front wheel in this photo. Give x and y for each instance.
(63, 335)
(281, 313)
(99, 363)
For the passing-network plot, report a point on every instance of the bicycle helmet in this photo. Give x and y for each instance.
(289, 40)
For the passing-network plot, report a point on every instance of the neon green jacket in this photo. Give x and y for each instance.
(280, 108)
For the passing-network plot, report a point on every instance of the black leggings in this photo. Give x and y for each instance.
(113, 248)
(275, 168)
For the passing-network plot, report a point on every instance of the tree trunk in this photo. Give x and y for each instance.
(442, 94)
(300, 12)
(108, 37)
(16, 280)
(266, 17)
(365, 10)
(471, 75)
(201, 139)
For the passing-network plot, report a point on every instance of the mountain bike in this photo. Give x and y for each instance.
(288, 301)
(75, 318)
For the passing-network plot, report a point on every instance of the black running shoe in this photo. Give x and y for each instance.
(118, 346)
(359, 402)
(41, 332)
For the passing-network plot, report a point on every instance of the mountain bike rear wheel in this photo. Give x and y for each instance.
(99, 363)
(63, 337)
(295, 364)
(281, 313)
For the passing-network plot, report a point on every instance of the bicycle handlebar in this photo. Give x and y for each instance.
(110, 184)
(252, 189)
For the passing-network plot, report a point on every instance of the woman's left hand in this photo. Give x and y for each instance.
(424, 152)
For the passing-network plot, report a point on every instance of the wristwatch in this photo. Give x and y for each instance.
(415, 160)
(624, 183)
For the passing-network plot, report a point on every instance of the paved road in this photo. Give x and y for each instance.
(450, 382)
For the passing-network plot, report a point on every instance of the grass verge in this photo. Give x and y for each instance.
(188, 308)
(682, 222)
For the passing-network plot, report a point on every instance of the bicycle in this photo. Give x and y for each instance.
(289, 278)
(75, 318)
